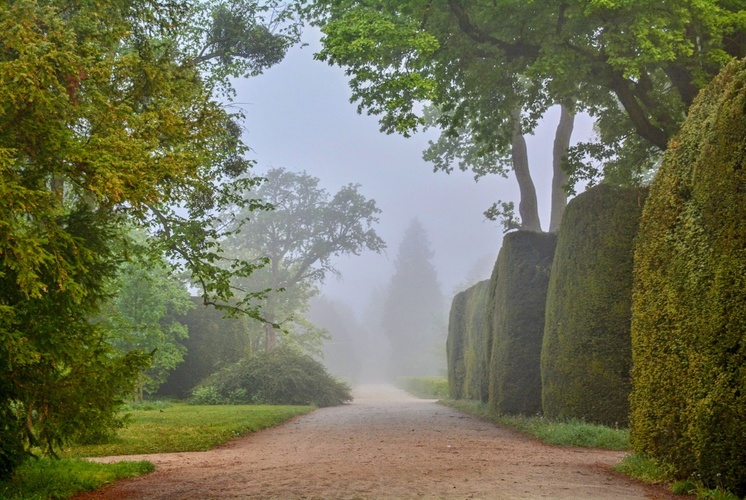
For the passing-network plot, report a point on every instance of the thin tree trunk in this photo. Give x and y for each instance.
(270, 310)
(559, 178)
(528, 208)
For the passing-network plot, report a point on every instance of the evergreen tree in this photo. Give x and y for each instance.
(413, 312)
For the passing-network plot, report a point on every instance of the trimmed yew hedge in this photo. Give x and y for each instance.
(518, 294)
(478, 342)
(689, 297)
(587, 353)
(455, 345)
(468, 343)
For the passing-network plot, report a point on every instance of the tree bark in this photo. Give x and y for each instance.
(528, 207)
(559, 177)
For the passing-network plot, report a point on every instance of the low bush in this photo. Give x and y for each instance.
(282, 376)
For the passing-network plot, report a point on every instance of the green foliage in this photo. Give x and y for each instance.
(689, 299)
(571, 432)
(58, 479)
(142, 315)
(586, 354)
(518, 291)
(214, 342)
(637, 67)
(469, 343)
(109, 117)
(182, 427)
(281, 376)
(52, 354)
(424, 387)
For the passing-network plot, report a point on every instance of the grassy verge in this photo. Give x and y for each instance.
(57, 479)
(649, 471)
(424, 387)
(569, 433)
(577, 433)
(154, 428)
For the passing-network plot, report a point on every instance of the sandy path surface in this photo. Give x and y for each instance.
(385, 444)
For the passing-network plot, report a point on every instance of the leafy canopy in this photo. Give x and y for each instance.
(634, 66)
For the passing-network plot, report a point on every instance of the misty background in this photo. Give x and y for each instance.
(298, 117)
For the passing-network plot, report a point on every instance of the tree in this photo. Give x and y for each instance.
(636, 68)
(143, 316)
(108, 117)
(414, 309)
(299, 236)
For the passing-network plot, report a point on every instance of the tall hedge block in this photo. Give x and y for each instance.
(688, 403)
(468, 343)
(518, 294)
(478, 342)
(455, 344)
(587, 352)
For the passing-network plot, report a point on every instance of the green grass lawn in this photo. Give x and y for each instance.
(182, 427)
(162, 429)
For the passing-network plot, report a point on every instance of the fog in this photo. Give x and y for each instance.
(299, 117)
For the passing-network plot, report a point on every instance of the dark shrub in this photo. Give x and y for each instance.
(688, 402)
(214, 341)
(281, 376)
(587, 352)
(518, 294)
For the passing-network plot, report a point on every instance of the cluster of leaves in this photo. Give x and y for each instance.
(143, 315)
(282, 376)
(412, 314)
(214, 341)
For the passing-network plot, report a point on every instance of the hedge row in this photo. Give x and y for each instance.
(587, 353)
(469, 344)
(687, 334)
(689, 309)
(520, 280)
(559, 342)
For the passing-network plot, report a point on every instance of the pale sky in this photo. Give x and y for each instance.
(299, 118)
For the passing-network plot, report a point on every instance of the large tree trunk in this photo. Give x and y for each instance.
(559, 177)
(528, 208)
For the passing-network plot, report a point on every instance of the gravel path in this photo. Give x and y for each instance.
(388, 445)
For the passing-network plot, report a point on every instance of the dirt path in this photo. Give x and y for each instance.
(384, 445)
